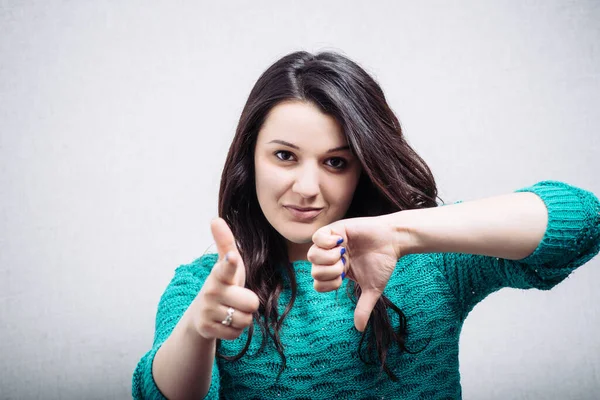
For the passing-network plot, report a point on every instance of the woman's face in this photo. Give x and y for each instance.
(305, 172)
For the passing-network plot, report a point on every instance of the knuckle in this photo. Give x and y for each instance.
(314, 272)
(210, 295)
(211, 288)
(310, 252)
(231, 334)
(336, 255)
(208, 331)
(319, 274)
(255, 304)
(316, 235)
(339, 268)
(205, 330)
(318, 286)
(244, 321)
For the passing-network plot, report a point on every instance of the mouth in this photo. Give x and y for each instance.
(303, 213)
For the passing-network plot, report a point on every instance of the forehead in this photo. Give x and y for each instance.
(302, 124)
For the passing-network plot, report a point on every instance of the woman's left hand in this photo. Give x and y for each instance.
(365, 250)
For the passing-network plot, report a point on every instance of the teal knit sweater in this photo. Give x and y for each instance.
(435, 291)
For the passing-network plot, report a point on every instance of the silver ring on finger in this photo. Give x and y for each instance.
(229, 318)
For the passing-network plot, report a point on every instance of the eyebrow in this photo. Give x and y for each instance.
(293, 146)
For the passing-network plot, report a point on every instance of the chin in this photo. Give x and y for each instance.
(299, 237)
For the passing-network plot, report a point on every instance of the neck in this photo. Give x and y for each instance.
(298, 251)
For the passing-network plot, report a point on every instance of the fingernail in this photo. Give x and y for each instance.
(343, 251)
(343, 260)
(343, 275)
(340, 241)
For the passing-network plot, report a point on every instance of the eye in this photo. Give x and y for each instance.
(337, 163)
(284, 155)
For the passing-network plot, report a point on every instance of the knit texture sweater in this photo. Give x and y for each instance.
(436, 292)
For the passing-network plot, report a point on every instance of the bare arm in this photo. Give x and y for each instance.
(182, 367)
(508, 226)
(530, 239)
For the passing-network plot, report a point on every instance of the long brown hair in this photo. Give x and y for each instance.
(393, 178)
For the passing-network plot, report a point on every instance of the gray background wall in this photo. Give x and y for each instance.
(115, 117)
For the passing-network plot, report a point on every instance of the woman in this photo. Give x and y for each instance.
(321, 192)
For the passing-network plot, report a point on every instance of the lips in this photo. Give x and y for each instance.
(303, 213)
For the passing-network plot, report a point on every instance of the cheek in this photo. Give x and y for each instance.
(270, 183)
(346, 195)
(340, 192)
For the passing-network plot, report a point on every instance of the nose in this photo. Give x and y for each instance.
(306, 181)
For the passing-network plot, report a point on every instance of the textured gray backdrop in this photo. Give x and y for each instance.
(115, 117)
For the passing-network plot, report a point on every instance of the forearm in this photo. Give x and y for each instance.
(182, 367)
(509, 226)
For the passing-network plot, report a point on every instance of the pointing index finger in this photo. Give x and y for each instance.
(226, 268)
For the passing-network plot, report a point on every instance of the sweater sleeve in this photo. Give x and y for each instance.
(571, 239)
(180, 293)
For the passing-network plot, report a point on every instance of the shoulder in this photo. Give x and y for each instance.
(188, 279)
(197, 269)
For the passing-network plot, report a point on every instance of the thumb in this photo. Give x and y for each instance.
(227, 249)
(329, 236)
(223, 237)
(364, 308)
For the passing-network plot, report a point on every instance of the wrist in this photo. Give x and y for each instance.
(406, 239)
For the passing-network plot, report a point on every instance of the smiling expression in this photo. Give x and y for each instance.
(305, 171)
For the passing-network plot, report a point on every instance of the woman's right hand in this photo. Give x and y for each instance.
(223, 288)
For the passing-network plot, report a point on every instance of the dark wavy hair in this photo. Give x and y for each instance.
(393, 178)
